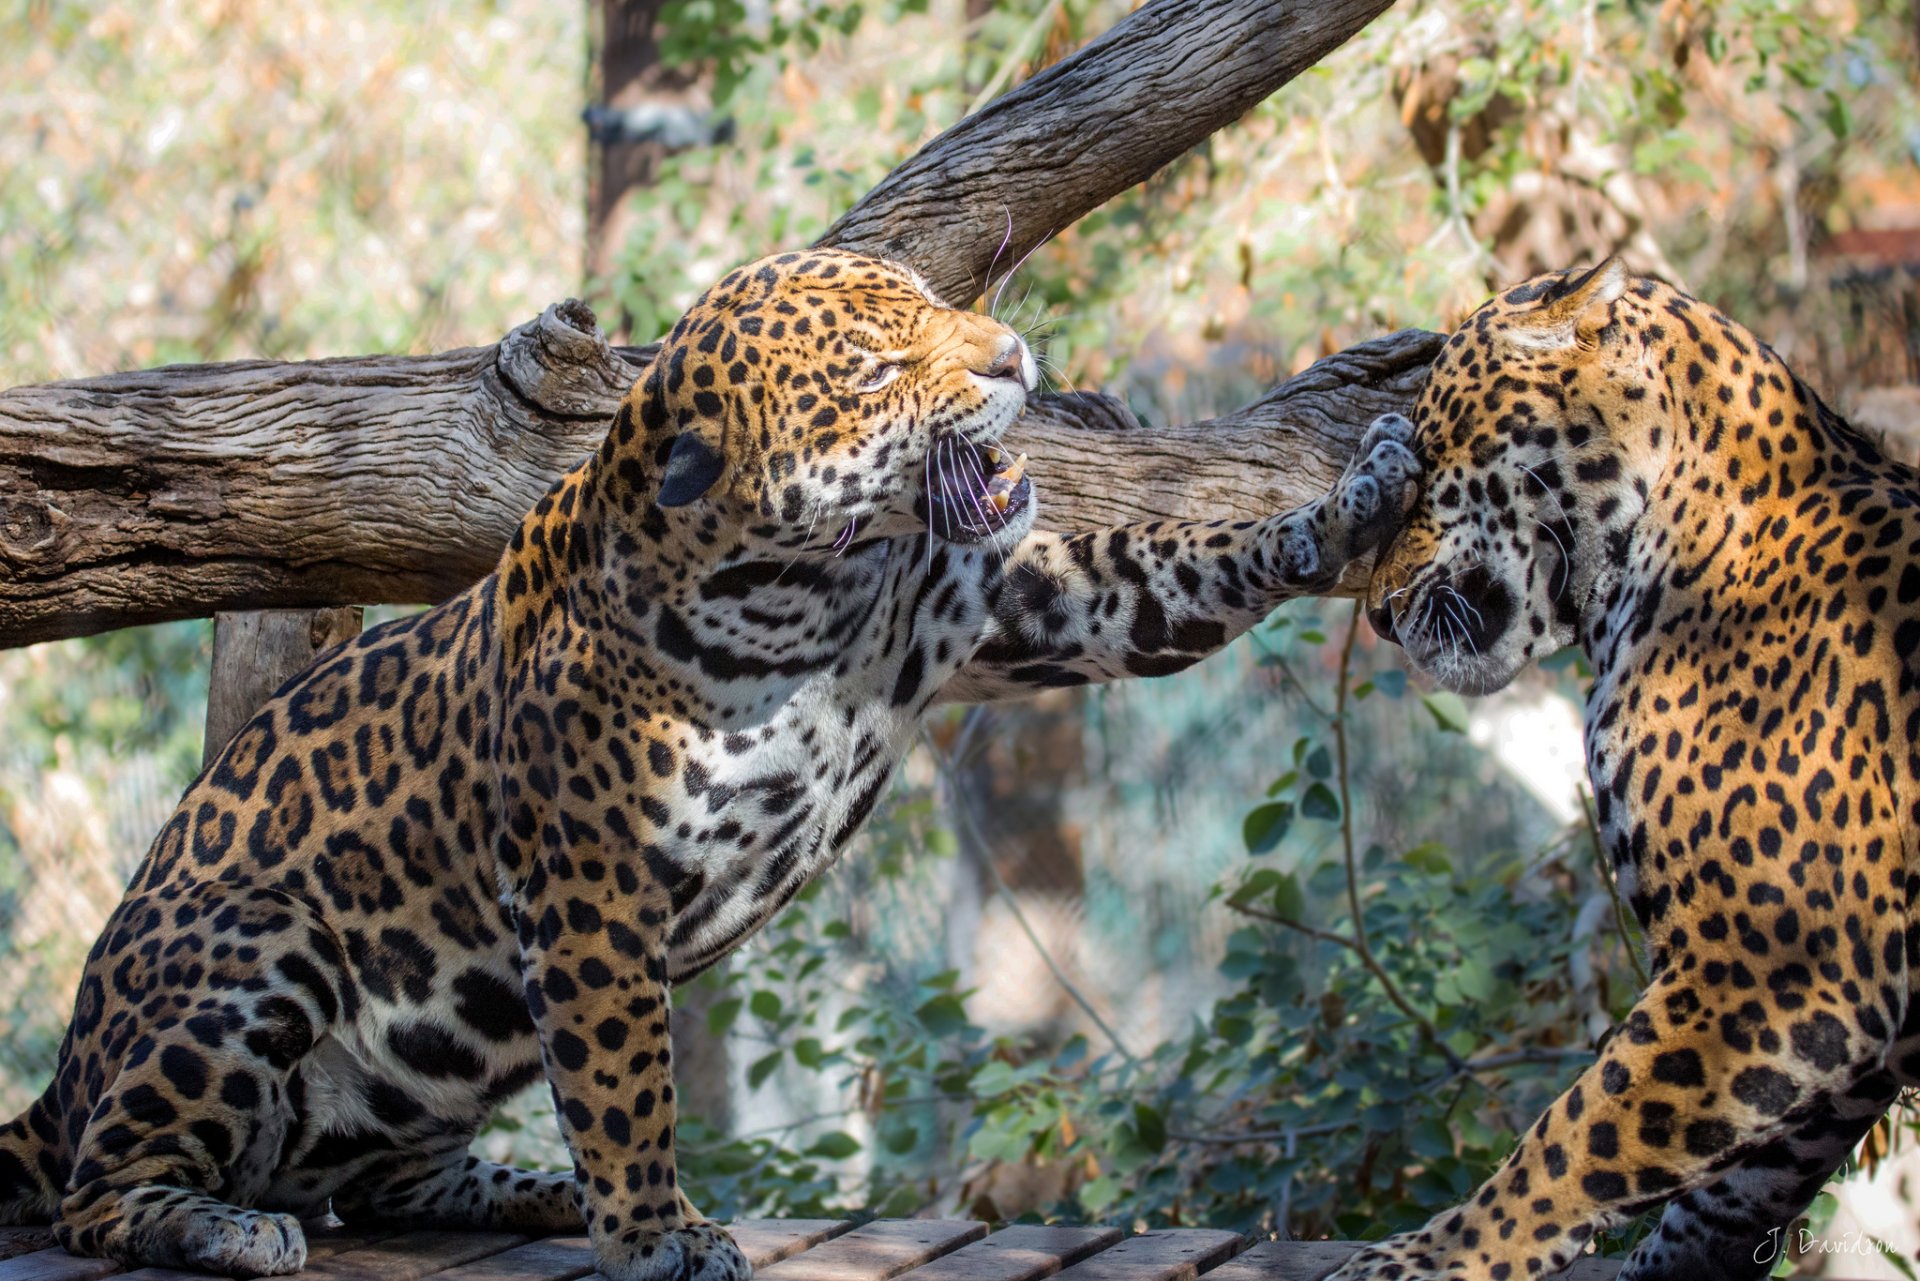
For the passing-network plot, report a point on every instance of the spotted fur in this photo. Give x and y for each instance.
(476, 846)
(1615, 465)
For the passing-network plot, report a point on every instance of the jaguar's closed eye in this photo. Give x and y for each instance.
(878, 379)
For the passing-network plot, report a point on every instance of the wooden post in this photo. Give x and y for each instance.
(643, 113)
(256, 652)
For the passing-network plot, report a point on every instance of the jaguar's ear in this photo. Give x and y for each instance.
(1579, 311)
(693, 467)
(1598, 288)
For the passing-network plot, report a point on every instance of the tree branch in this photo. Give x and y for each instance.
(1156, 85)
(179, 492)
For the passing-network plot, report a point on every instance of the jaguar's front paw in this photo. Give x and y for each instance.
(1378, 488)
(1316, 543)
(696, 1252)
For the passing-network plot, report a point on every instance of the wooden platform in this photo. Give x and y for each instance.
(782, 1250)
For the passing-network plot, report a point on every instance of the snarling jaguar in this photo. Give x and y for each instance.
(476, 846)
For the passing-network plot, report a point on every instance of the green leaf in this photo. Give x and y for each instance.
(944, 1015)
(1430, 857)
(1320, 762)
(762, 1068)
(1320, 803)
(722, 1015)
(1430, 1139)
(994, 1077)
(837, 1146)
(1266, 826)
(1449, 710)
(1150, 1126)
(1392, 682)
(1289, 900)
(900, 1138)
(807, 1052)
(765, 1005)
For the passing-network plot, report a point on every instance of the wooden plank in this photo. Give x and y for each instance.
(1168, 1255)
(878, 1252)
(1025, 1252)
(554, 1259)
(763, 1241)
(1315, 1260)
(412, 1255)
(55, 1264)
(767, 1241)
(18, 1241)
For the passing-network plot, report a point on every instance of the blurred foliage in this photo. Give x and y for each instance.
(1339, 1088)
(206, 179)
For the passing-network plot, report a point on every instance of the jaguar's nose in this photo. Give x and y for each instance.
(1009, 362)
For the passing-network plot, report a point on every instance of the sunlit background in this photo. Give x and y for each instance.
(1051, 981)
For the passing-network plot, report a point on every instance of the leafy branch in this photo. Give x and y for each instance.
(1357, 941)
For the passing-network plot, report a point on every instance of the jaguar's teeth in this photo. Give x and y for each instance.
(999, 501)
(993, 456)
(1018, 469)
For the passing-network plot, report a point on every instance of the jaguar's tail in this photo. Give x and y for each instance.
(30, 1173)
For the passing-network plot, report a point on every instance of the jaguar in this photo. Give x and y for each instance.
(476, 847)
(1614, 465)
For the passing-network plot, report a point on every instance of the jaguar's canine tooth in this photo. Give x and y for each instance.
(1019, 468)
(999, 500)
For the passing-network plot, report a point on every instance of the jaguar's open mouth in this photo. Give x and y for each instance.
(972, 491)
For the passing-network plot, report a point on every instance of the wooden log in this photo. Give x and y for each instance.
(256, 652)
(180, 492)
(878, 1252)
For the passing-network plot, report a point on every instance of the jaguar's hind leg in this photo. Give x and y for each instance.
(461, 1191)
(1735, 1228)
(194, 1112)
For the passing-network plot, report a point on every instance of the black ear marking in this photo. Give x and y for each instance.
(692, 468)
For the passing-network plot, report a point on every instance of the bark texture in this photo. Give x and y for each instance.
(180, 492)
(184, 491)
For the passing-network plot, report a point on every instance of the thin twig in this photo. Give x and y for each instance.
(1286, 672)
(784, 1126)
(1301, 927)
(1533, 1054)
(1613, 891)
(944, 766)
(1361, 947)
(1264, 1136)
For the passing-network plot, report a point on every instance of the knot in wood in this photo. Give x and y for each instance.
(30, 527)
(561, 363)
